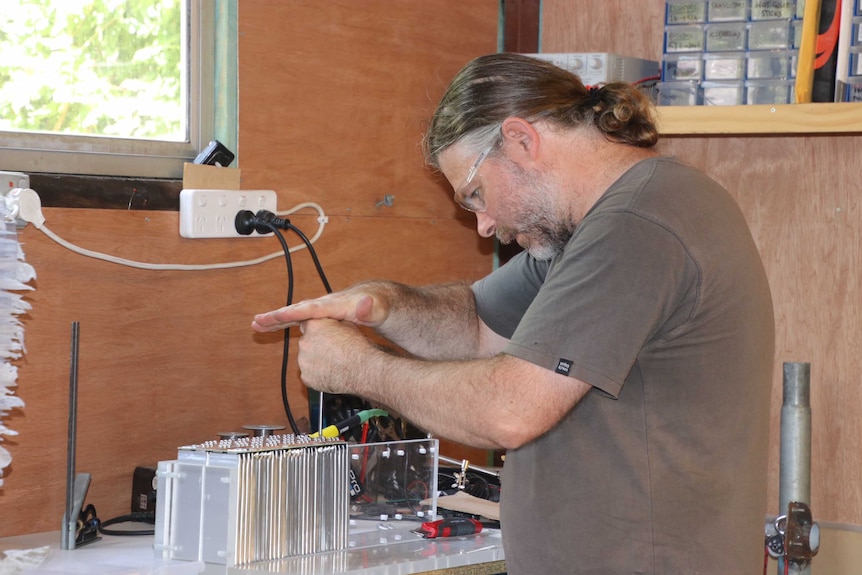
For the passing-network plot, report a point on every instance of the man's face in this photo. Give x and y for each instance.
(531, 214)
(520, 205)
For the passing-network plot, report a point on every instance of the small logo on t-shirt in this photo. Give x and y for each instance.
(563, 366)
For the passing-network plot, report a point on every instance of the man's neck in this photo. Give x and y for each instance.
(591, 164)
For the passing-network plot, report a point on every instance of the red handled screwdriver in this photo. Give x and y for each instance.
(451, 527)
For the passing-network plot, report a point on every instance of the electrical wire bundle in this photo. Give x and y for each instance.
(452, 480)
(264, 222)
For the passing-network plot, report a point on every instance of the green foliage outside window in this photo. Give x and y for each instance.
(93, 67)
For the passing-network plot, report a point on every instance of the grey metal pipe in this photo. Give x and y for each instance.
(795, 454)
(70, 517)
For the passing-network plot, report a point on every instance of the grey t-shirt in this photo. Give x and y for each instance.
(661, 303)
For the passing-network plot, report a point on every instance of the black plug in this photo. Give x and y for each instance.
(244, 223)
(262, 222)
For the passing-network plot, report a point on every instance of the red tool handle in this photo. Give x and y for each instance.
(452, 527)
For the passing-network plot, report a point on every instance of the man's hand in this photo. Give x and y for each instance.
(331, 355)
(354, 306)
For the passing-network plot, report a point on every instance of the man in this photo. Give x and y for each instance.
(624, 359)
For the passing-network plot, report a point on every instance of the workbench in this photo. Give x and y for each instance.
(379, 550)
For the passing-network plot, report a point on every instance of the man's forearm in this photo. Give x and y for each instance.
(500, 401)
(456, 400)
(433, 322)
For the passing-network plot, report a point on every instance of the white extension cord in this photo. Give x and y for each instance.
(24, 206)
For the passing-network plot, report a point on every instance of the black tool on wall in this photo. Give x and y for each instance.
(215, 154)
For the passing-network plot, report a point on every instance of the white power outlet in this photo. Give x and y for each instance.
(12, 180)
(212, 213)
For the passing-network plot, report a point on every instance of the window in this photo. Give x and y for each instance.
(106, 87)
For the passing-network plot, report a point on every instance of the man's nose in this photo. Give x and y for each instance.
(485, 225)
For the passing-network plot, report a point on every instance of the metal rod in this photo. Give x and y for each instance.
(69, 521)
(320, 415)
(795, 454)
(460, 463)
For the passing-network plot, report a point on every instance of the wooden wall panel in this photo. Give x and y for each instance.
(332, 103)
(801, 200)
(800, 195)
(337, 95)
(616, 26)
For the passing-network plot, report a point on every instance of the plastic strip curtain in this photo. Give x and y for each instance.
(15, 274)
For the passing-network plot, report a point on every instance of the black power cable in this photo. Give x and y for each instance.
(264, 222)
(143, 517)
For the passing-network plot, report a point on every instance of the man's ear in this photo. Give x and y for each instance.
(523, 137)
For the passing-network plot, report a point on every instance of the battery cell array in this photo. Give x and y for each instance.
(238, 501)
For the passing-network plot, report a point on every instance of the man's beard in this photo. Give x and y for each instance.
(541, 235)
(542, 242)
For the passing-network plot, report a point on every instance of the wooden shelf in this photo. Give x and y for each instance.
(825, 118)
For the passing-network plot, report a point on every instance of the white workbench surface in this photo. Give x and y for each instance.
(377, 550)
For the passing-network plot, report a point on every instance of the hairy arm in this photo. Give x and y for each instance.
(431, 322)
(437, 322)
(495, 402)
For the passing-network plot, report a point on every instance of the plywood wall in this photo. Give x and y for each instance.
(801, 196)
(333, 97)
